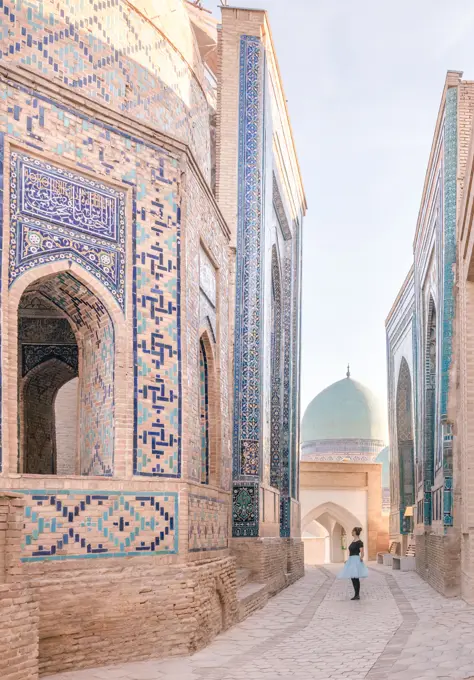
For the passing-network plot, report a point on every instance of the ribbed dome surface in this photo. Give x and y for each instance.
(344, 410)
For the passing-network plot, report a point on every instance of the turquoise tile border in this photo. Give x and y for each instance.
(65, 493)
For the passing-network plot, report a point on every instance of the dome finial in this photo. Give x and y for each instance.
(348, 374)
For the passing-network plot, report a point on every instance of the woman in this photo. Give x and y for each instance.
(355, 568)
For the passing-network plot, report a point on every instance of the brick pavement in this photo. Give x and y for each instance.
(400, 630)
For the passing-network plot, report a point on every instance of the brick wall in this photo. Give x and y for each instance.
(18, 633)
(18, 607)
(438, 561)
(116, 611)
(274, 561)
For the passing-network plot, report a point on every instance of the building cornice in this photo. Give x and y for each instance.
(453, 79)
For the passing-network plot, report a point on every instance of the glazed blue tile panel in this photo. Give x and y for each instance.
(449, 253)
(287, 392)
(248, 331)
(56, 215)
(295, 416)
(157, 325)
(450, 169)
(89, 523)
(245, 509)
(34, 355)
(285, 518)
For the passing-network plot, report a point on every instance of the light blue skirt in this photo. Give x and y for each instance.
(354, 568)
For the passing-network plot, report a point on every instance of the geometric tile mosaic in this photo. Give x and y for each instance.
(155, 231)
(69, 524)
(276, 377)
(157, 311)
(245, 509)
(81, 43)
(59, 215)
(449, 239)
(249, 303)
(287, 382)
(250, 454)
(34, 355)
(249, 271)
(208, 524)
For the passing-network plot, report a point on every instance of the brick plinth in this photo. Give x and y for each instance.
(438, 561)
(277, 562)
(125, 610)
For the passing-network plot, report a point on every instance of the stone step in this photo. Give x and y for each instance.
(242, 577)
(251, 597)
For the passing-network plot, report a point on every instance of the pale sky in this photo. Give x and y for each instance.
(363, 82)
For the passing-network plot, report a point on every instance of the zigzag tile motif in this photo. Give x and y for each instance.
(62, 525)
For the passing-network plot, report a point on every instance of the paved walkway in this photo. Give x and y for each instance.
(400, 630)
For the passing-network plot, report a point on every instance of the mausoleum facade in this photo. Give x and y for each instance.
(424, 327)
(145, 465)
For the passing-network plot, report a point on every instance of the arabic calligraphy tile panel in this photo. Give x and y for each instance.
(61, 197)
(69, 524)
(56, 214)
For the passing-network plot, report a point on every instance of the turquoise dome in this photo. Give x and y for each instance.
(344, 410)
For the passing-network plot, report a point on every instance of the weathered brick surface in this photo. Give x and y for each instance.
(438, 561)
(18, 633)
(19, 614)
(274, 561)
(121, 610)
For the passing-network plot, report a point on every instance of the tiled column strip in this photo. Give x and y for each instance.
(397, 643)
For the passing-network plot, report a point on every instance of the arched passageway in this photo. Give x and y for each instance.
(66, 364)
(336, 523)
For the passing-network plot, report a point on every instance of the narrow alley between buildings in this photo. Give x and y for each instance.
(400, 630)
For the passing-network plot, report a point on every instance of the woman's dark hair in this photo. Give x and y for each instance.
(357, 530)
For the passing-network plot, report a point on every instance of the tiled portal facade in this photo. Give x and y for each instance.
(145, 231)
(423, 364)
